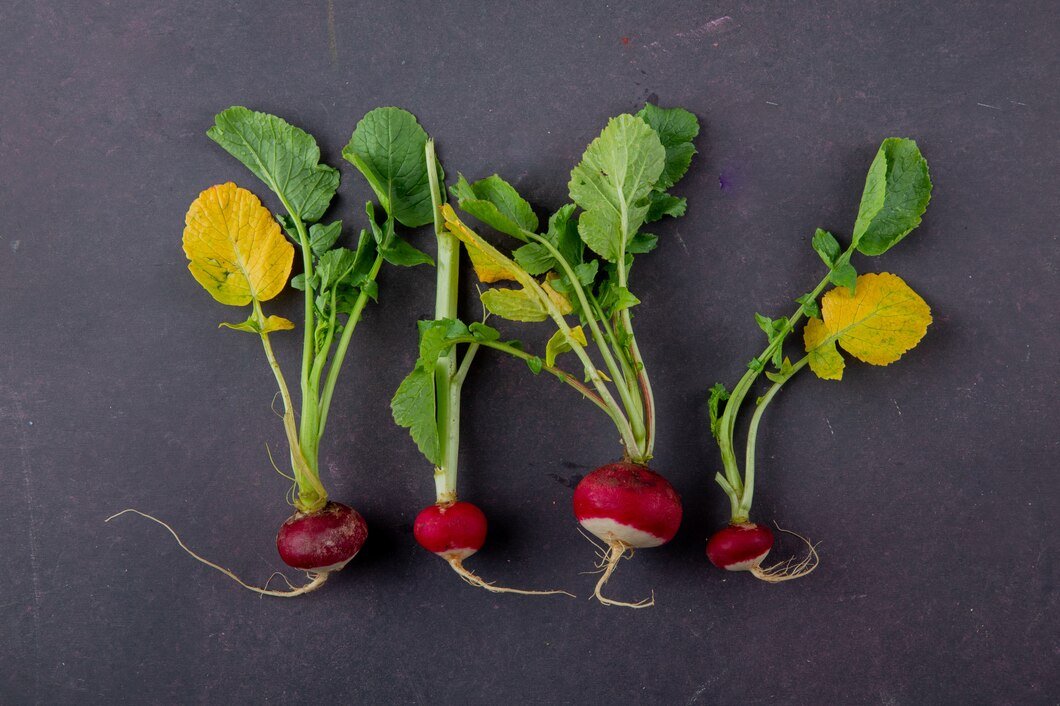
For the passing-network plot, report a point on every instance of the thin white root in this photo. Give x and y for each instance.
(475, 580)
(315, 580)
(789, 570)
(616, 551)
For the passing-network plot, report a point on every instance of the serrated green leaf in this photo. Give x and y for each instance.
(612, 183)
(514, 304)
(483, 332)
(436, 336)
(825, 245)
(718, 395)
(809, 305)
(642, 243)
(897, 191)
(534, 258)
(283, 156)
(322, 237)
(388, 148)
(844, 276)
(663, 204)
(496, 203)
(400, 252)
(676, 128)
(414, 408)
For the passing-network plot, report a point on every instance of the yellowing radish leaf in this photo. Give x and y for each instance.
(883, 319)
(254, 325)
(562, 303)
(514, 304)
(490, 265)
(559, 343)
(236, 250)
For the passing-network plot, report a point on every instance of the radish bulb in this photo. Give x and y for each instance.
(628, 506)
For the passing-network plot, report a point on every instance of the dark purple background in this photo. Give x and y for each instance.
(931, 485)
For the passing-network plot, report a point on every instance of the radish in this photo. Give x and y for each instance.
(579, 266)
(428, 400)
(237, 252)
(874, 317)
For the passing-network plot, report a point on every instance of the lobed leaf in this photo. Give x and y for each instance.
(496, 203)
(876, 324)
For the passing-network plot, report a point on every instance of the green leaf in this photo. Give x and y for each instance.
(413, 407)
(825, 244)
(514, 304)
(535, 364)
(400, 252)
(718, 395)
(676, 128)
(496, 203)
(322, 237)
(612, 184)
(298, 282)
(782, 375)
(663, 204)
(335, 266)
(534, 258)
(283, 156)
(809, 305)
(616, 298)
(388, 148)
(844, 276)
(897, 191)
(483, 332)
(436, 338)
(642, 243)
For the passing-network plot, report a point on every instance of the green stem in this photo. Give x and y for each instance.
(311, 493)
(340, 350)
(744, 509)
(446, 382)
(632, 405)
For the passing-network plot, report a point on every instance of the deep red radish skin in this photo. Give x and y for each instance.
(322, 541)
(739, 547)
(628, 503)
(451, 530)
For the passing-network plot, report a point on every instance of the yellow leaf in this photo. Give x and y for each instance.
(578, 335)
(490, 265)
(235, 246)
(561, 302)
(514, 304)
(883, 319)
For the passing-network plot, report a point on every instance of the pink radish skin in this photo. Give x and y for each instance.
(452, 531)
(628, 503)
(323, 541)
(740, 547)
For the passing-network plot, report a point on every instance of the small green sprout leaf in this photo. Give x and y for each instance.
(825, 244)
(322, 237)
(496, 203)
(718, 395)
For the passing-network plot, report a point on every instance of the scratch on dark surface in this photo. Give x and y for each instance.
(571, 482)
(21, 424)
(699, 692)
(992, 107)
(333, 45)
(715, 26)
(897, 407)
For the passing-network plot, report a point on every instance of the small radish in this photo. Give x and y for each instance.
(428, 400)
(628, 506)
(876, 318)
(578, 266)
(322, 541)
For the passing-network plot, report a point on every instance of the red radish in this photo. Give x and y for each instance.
(740, 547)
(455, 531)
(628, 506)
(322, 541)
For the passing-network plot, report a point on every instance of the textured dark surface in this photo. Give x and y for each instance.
(931, 484)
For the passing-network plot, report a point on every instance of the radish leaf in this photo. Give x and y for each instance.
(897, 191)
(496, 203)
(283, 156)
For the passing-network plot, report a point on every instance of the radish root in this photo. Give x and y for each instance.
(475, 580)
(789, 570)
(616, 551)
(316, 580)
